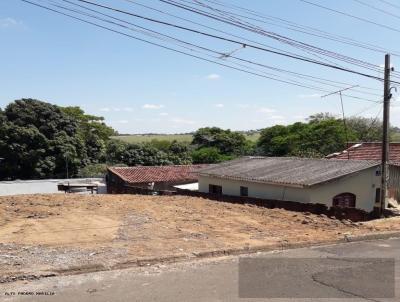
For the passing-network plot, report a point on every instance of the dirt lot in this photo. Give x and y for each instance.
(45, 234)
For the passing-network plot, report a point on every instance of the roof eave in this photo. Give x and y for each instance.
(254, 180)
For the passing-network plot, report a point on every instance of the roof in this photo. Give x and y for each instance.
(368, 151)
(288, 171)
(141, 174)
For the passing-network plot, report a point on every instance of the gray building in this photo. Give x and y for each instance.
(350, 183)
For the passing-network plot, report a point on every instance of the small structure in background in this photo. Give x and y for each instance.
(150, 179)
(77, 187)
(332, 183)
(373, 151)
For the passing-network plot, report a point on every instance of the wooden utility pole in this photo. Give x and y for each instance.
(385, 138)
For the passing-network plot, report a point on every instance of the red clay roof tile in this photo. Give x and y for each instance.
(369, 151)
(142, 174)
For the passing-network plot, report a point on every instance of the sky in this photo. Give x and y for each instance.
(141, 88)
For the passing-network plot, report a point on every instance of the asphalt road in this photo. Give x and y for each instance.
(362, 271)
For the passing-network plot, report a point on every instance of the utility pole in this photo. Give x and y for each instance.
(344, 119)
(385, 138)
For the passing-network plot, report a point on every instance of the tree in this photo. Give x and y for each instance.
(209, 155)
(35, 139)
(366, 129)
(93, 131)
(226, 141)
(273, 141)
(321, 136)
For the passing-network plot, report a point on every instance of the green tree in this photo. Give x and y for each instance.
(209, 155)
(34, 139)
(321, 136)
(226, 141)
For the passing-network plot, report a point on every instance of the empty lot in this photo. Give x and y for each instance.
(45, 234)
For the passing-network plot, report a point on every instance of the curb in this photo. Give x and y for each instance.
(371, 236)
(205, 254)
(256, 249)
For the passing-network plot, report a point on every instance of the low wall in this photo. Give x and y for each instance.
(339, 213)
(314, 208)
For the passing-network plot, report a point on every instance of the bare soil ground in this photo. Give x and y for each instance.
(45, 234)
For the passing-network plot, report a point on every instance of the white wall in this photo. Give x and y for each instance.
(43, 186)
(362, 184)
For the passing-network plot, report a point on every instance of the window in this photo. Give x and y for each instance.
(213, 189)
(244, 191)
(377, 195)
(344, 200)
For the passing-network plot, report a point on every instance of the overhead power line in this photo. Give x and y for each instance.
(288, 81)
(258, 30)
(234, 41)
(178, 51)
(351, 16)
(390, 4)
(143, 30)
(377, 9)
(301, 28)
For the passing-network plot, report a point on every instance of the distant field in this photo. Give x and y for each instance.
(143, 138)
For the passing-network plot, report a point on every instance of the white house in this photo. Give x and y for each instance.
(350, 183)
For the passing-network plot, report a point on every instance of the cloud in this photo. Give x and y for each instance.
(213, 77)
(182, 121)
(243, 106)
(152, 106)
(309, 96)
(276, 117)
(122, 122)
(266, 110)
(219, 105)
(116, 109)
(163, 114)
(10, 23)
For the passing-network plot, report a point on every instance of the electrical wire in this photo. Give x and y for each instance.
(303, 28)
(351, 16)
(302, 76)
(236, 42)
(181, 52)
(377, 9)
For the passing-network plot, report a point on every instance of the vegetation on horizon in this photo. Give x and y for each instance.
(42, 140)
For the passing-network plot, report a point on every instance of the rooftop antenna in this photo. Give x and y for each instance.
(344, 120)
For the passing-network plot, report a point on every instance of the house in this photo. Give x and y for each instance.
(373, 151)
(368, 151)
(155, 178)
(350, 183)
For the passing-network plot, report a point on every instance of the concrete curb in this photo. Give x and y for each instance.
(371, 236)
(207, 254)
(256, 249)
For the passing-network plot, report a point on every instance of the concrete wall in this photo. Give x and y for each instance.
(42, 186)
(362, 184)
(264, 191)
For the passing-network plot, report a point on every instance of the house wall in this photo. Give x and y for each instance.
(265, 191)
(362, 184)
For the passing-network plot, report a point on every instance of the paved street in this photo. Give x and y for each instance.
(309, 273)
